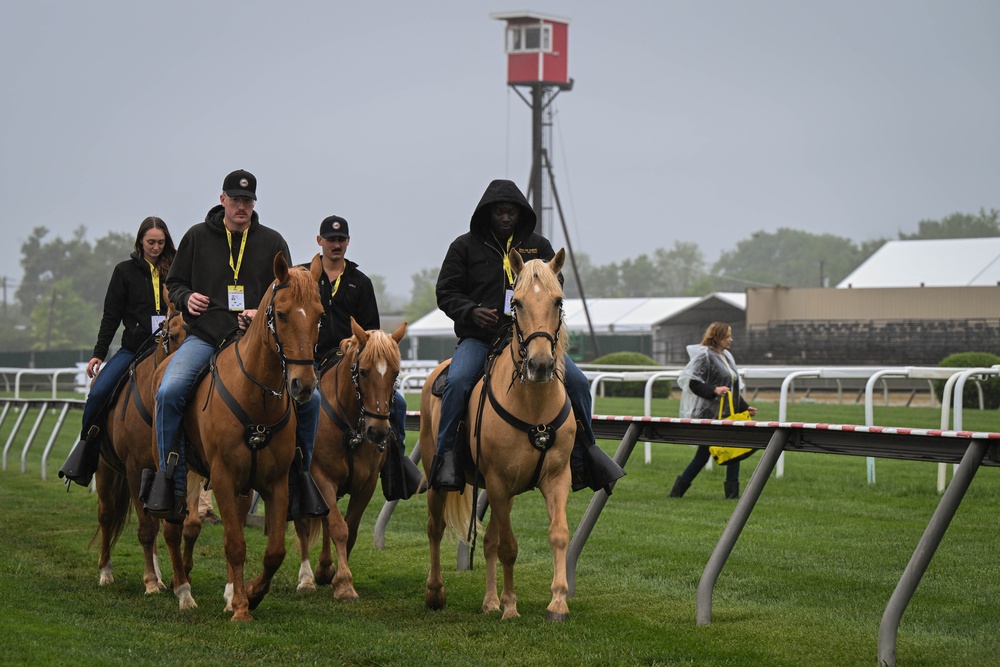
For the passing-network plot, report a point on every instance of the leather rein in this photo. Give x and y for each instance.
(257, 436)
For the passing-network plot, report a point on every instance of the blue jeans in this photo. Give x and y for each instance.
(104, 384)
(467, 367)
(307, 417)
(397, 420)
(701, 457)
(184, 366)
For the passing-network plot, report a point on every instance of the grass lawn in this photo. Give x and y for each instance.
(806, 584)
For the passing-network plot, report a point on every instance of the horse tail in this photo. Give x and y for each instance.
(458, 515)
(315, 524)
(115, 509)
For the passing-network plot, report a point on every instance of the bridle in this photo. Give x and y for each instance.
(522, 341)
(356, 435)
(272, 329)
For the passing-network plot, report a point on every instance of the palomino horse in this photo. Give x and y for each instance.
(350, 449)
(126, 449)
(521, 434)
(257, 376)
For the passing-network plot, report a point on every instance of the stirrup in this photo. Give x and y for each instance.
(81, 464)
(446, 475)
(600, 471)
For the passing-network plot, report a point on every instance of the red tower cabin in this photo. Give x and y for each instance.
(536, 49)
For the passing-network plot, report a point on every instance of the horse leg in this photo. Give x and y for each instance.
(234, 544)
(275, 513)
(147, 531)
(243, 510)
(181, 584)
(556, 494)
(343, 581)
(192, 523)
(435, 597)
(506, 550)
(110, 506)
(303, 530)
(324, 565)
(491, 602)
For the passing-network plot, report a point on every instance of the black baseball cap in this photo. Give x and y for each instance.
(333, 227)
(240, 183)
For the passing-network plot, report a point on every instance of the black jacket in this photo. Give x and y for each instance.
(355, 296)
(129, 301)
(202, 264)
(472, 273)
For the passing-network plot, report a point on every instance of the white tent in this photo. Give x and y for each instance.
(930, 263)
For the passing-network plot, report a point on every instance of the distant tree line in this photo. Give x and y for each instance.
(60, 297)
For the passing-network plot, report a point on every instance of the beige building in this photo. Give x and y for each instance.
(910, 303)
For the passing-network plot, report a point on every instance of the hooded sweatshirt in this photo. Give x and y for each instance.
(202, 264)
(472, 273)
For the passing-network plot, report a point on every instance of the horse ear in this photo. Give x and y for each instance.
(316, 267)
(515, 260)
(400, 331)
(556, 263)
(359, 333)
(280, 267)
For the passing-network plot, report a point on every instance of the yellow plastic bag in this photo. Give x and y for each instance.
(725, 455)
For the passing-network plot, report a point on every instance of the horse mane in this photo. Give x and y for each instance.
(380, 346)
(300, 283)
(537, 272)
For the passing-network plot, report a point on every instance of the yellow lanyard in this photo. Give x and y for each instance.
(156, 285)
(508, 269)
(239, 260)
(336, 286)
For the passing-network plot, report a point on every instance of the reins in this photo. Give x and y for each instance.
(257, 436)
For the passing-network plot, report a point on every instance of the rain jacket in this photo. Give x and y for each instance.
(472, 273)
(707, 370)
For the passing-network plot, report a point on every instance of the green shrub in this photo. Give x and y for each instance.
(632, 389)
(991, 386)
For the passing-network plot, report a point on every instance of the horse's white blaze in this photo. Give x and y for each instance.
(301, 311)
(227, 595)
(382, 367)
(536, 288)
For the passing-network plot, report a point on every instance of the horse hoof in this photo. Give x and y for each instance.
(244, 617)
(553, 617)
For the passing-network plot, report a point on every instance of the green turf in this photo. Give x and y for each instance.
(806, 584)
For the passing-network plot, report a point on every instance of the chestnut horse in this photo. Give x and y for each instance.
(126, 449)
(521, 434)
(350, 449)
(270, 365)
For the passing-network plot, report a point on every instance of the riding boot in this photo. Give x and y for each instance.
(400, 476)
(160, 501)
(598, 470)
(81, 464)
(446, 474)
(304, 497)
(732, 490)
(680, 486)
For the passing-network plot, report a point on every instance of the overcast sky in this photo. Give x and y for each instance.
(694, 121)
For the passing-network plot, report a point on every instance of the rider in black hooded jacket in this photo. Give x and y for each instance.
(473, 289)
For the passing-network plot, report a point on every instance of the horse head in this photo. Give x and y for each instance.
(292, 317)
(539, 338)
(374, 361)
